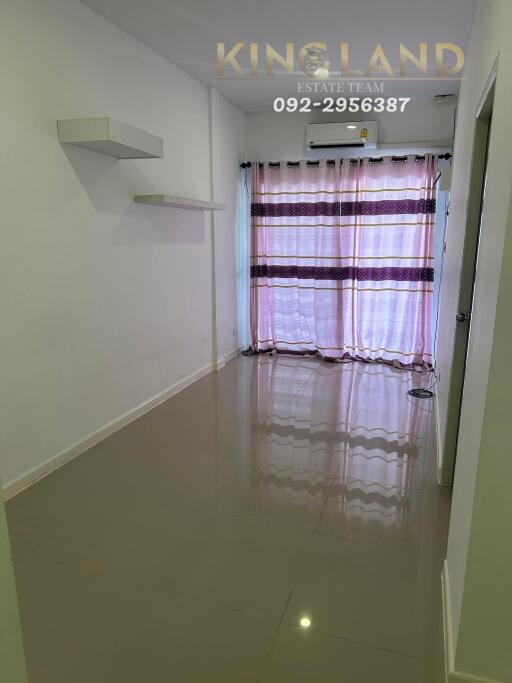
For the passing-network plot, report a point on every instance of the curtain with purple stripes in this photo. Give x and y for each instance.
(342, 259)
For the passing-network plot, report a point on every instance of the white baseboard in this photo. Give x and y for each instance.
(442, 480)
(222, 360)
(447, 622)
(453, 676)
(439, 450)
(236, 351)
(11, 488)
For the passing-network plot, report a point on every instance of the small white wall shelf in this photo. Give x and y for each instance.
(110, 136)
(178, 202)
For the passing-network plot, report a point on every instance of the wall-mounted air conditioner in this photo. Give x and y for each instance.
(339, 135)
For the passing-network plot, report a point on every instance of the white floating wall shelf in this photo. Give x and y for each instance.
(110, 136)
(178, 202)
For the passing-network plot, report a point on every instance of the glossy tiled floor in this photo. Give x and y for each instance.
(190, 545)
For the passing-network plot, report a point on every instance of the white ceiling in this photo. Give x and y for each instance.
(186, 32)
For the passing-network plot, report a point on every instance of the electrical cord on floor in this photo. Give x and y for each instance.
(422, 392)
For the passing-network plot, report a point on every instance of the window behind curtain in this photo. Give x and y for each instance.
(342, 259)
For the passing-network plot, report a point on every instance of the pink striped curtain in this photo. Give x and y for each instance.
(342, 259)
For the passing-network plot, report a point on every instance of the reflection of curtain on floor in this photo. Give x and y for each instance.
(342, 259)
(325, 429)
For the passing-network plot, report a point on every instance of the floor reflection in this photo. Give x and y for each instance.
(350, 427)
(277, 521)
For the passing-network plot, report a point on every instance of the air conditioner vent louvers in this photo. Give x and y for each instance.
(335, 145)
(342, 134)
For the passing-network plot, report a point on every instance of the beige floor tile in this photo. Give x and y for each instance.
(245, 565)
(397, 610)
(380, 512)
(169, 638)
(328, 590)
(274, 489)
(400, 522)
(299, 655)
(275, 493)
(62, 605)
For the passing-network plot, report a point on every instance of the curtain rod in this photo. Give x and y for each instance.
(332, 162)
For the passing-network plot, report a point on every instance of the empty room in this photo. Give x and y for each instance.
(256, 295)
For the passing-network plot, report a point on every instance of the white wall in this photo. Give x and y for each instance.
(228, 134)
(275, 137)
(479, 557)
(104, 303)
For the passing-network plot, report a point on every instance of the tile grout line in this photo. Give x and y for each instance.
(274, 635)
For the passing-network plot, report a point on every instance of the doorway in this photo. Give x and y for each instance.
(483, 123)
